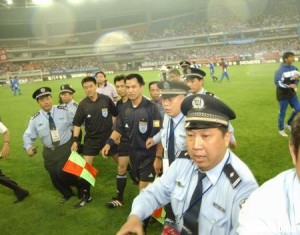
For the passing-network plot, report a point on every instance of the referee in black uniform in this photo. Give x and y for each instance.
(96, 111)
(139, 120)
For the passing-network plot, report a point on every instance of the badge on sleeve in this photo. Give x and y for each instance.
(156, 123)
(104, 112)
(143, 127)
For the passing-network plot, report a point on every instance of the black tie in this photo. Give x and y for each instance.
(190, 218)
(171, 147)
(52, 128)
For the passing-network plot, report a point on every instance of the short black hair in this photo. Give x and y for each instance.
(88, 79)
(119, 78)
(295, 133)
(287, 55)
(100, 72)
(137, 76)
(151, 83)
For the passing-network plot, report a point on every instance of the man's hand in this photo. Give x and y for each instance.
(149, 143)
(5, 149)
(133, 225)
(157, 165)
(293, 86)
(31, 151)
(74, 146)
(105, 151)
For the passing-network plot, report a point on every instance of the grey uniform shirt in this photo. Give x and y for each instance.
(39, 127)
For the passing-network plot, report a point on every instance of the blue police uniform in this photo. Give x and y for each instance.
(179, 132)
(39, 127)
(227, 184)
(55, 156)
(72, 107)
(221, 201)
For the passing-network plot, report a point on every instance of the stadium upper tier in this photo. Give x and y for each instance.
(66, 25)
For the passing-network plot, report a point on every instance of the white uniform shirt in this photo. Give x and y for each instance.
(274, 208)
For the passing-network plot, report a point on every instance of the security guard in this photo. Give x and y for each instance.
(207, 190)
(66, 98)
(172, 134)
(184, 65)
(53, 125)
(195, 80)
(173, 93)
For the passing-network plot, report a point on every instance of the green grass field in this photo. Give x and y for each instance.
(251, 93)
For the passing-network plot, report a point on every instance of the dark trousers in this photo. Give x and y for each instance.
(54, 160)
(9, 183)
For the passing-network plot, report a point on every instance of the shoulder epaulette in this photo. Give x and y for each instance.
(62, 107)
(35, 115)
(75, 104)
(232, 175)
(209, 93)
(183, 154)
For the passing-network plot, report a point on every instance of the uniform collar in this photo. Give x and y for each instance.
(214, 174)
(177, 118)
(51, 111)
(202, 91)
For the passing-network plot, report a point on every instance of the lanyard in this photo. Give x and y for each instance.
(169, 134)
(200, 196)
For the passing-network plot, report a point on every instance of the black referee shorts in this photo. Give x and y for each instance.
(123, 149)
(92, 147)
(142, 164)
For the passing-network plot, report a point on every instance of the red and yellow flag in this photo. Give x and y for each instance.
(76, 165)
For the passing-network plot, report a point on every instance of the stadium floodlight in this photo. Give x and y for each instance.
(9, 2)
(42, 2)
(75, 1)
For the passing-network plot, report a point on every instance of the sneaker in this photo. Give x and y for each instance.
(282, 133)
(114, 204)
(83, 202)
(287, 127)
(21, 195)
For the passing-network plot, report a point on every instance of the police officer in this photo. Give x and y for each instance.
(173, 93)
(53, 125)
(66, 98)
(139, 120)
(207, 189)
(172, 134)
(274, 207)
(195, 80)
(184, 65)
(19, 192)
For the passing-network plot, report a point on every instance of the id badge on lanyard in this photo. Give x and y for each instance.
(55, 136)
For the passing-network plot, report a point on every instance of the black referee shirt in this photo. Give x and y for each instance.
(139, 123)
(96, 115)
